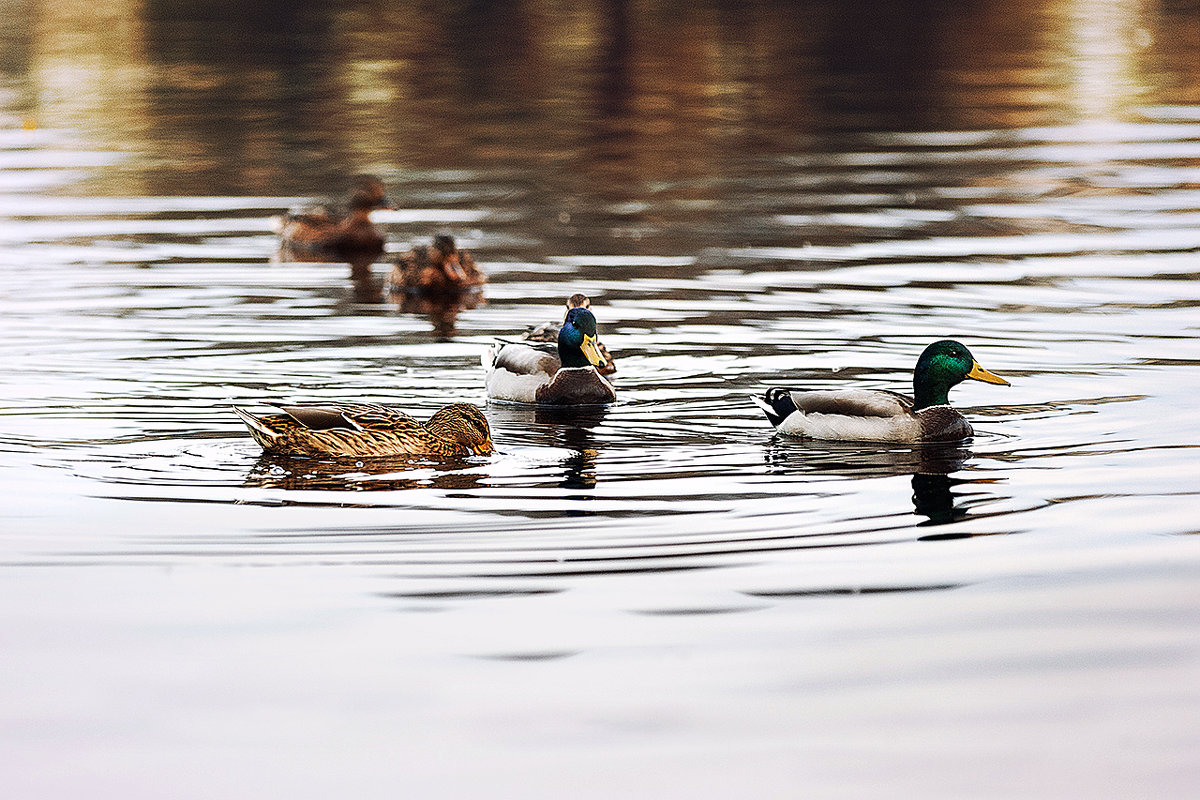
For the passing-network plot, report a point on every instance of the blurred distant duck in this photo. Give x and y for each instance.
(363, 430)
(548, 332)
(320, 233)
(879, 416)
(439, 268)
(528, 373)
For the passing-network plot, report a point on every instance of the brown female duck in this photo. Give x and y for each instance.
(319, 234)
(439, 268)
(364, 430)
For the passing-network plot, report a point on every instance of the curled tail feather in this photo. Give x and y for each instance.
(777, 404)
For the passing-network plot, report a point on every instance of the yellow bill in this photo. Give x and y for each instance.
(484, 448)
(591, 352)
(980, 374)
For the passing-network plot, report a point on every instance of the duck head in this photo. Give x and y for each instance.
(577, 340)
(367, 193)
(943, 365)
(444, 253)
(464, 424)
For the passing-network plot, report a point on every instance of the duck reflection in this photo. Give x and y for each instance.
(931, 466)
(932, 498)
(376, 474)
(441, 309)
(365, 288)
(569, 427)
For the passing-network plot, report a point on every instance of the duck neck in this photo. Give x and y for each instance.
(930, 389)
(570, 355)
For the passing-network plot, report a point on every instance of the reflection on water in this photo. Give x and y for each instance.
(753, 195)
(442, 310)
(932, 467)
(377, 474)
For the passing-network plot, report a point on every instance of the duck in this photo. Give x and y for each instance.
(318, 233)
(366, 430)
(520, 372)
(437, 268)
(872, 415)
(548, 332)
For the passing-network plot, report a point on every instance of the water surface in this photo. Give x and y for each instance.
(661, 596)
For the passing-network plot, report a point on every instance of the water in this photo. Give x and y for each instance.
(651, 599)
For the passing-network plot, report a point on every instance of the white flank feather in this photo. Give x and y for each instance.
(857, 429)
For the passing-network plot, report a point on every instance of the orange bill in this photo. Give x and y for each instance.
(980, 374)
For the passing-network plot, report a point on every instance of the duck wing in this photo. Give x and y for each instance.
(349, 416)
(851, 402)
(781, 403)
(525, 359)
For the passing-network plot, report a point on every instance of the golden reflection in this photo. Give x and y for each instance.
(376, 474)
(607, 104)
(1106, 39)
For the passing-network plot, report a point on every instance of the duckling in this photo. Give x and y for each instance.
(548, 332)
(319, 234)
(440, 268)
(523, 373)
(880, 416)
(365, 430)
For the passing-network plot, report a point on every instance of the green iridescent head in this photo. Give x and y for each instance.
(943, 365)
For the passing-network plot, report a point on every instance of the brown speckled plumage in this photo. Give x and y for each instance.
(439, 268)
(319, 234)
(364, 430)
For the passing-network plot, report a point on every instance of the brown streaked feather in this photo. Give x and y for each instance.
(422, 269)
(362, 430)
(547, 332)
(355, 416)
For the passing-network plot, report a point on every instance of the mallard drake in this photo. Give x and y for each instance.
(524, 373)
(439, 268)
(318, 234)
(548, 332)
(364, 430)
(872, 415)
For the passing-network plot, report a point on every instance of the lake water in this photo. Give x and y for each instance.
(659, 598)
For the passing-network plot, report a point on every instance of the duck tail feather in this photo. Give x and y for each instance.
(262, 434)
(777, 404)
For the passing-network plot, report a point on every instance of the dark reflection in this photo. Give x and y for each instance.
(932, 497)
(579, 469)
(931, 466)
(864, 460)
(376, 474)
(366, 288)
(569, 427)
(441, 309)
